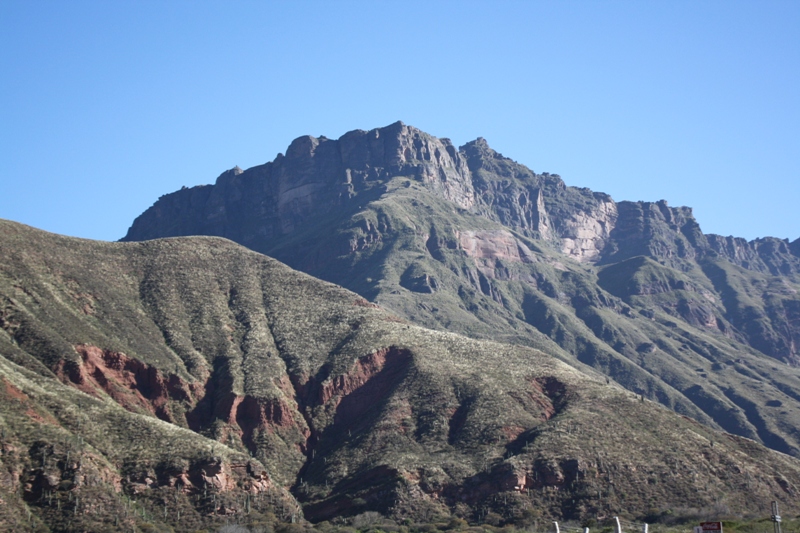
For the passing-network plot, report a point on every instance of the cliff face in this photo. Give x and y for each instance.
(318, 176)
(314, 178)
(470, 241)
(182, 383)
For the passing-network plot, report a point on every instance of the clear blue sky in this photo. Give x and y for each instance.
(108, 105)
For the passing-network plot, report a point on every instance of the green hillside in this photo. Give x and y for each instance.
(180, 383)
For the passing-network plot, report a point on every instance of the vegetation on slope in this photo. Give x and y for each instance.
(172, 370)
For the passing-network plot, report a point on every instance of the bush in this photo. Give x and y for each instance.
(366, 520)
(493, 519)
(291, 528)
(233, 528)
(457, 524)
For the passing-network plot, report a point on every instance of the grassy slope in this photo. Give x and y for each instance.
(446, 424)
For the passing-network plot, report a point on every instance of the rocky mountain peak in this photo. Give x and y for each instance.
(318, 175)
(230, 173)
(478, 146)
(302, 147)
(480, 155)
(794, 247)
(401, 150)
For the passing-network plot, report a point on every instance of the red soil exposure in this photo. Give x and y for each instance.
(361, 302)
(556, 473)
(512, 432)
(139, 387)
(267, 415)
(212, 473)
(12, 391)
(508, 477)
(225, 408)
(131, 383)
(273, 415)
(365, 368)
(33, 415)
(548, 394)
(368, 384)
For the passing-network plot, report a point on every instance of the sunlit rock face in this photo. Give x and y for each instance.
(585, 234)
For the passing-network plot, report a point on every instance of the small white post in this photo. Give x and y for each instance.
(619, 527)
(644, 528)
(586, 530)
(557, 530)
(776, 518)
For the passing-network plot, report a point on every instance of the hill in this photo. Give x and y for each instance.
(179, 382)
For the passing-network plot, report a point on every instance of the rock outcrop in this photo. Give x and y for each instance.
(320, 175)
(314, 177)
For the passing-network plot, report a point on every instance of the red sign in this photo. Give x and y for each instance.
(715, 527)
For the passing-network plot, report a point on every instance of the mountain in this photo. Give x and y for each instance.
(180, 383)
(468, 241)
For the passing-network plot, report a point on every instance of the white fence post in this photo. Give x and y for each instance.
(776, 518)
(557, 530)
(619, 527)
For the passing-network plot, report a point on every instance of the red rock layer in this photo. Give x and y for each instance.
(131, 383)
